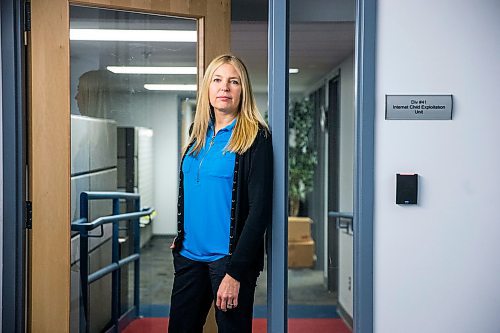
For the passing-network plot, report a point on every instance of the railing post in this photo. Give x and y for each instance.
(115, 278)
(84, 266)
(84, 227)
(137, 250)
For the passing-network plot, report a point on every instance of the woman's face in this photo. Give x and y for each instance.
(225, 89)
(79, 98)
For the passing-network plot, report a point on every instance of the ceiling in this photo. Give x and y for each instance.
(315, 49)
(321, 36)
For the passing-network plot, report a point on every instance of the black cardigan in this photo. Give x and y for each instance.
(251, 207)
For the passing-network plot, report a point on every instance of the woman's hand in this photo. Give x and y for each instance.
(227, 295)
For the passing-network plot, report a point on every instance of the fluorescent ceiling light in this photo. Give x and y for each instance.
(293, 70)
(151, 70)
(171, 87)
(133, 35)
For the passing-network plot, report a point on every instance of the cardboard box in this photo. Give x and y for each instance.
(299, 229)
(301, 254)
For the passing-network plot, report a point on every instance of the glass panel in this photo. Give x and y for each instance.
(320, 256)
(249, 43)
(129, 74)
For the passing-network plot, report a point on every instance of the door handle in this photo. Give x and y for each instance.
(343, 221)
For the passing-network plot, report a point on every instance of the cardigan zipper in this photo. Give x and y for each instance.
(205, 155)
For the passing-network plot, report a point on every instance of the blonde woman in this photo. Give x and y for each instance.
(225, 202)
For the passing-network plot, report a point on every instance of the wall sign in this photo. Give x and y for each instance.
(425, 107)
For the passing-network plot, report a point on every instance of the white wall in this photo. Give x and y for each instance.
(346, 180)
(158, 111)
(261, 100)
(437, 266)
(165, 127)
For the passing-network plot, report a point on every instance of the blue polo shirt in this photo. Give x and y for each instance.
(208, 179)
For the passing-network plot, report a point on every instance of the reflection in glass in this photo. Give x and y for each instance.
(124, 139)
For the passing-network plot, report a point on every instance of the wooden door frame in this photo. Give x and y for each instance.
(49, 138)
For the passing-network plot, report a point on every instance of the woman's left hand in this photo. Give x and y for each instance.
(227, 295)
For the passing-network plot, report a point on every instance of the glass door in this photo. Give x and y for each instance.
(105, 88)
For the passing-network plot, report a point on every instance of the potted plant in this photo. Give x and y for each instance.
(302, 156)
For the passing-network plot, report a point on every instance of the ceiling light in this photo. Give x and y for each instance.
(133, 35)
(171, 87)
(293, 70)
(151, 70)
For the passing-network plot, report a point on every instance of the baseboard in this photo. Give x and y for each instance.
(346, 317)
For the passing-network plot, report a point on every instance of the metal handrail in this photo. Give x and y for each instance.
(112, 267)
(109, 195)
(83, 226)
(340, 220)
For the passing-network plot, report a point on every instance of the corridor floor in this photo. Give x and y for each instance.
(305, 286)
(311, 306)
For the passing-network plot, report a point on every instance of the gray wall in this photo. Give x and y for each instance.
(436, 265)
(314, 11)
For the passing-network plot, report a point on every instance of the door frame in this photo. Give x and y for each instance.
(13, 127)
(365, 42)
(49, 115)
(363, 210)
(364, 162)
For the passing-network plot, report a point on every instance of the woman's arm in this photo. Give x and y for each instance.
(260, 197)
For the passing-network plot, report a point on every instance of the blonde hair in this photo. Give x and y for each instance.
(94, 95)
(248, 116)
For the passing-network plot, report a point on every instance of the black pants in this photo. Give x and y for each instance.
(195, 288)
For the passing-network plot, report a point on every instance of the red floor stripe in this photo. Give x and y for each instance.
(147, 325)
(157, 325)
(306, 325)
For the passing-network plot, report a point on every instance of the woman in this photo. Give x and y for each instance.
(225, 201)
(93, 96)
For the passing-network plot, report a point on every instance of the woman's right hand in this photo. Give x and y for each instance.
(227, 295)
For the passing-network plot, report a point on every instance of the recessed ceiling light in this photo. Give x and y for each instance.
(171, 87)
(293, 70)
(151, 70)
(133, 35)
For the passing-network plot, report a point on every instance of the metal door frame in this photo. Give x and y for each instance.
(364, 160)
(14, 139)
(14, 154)
(364, 164)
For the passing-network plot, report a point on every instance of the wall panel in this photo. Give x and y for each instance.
(436, 263)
